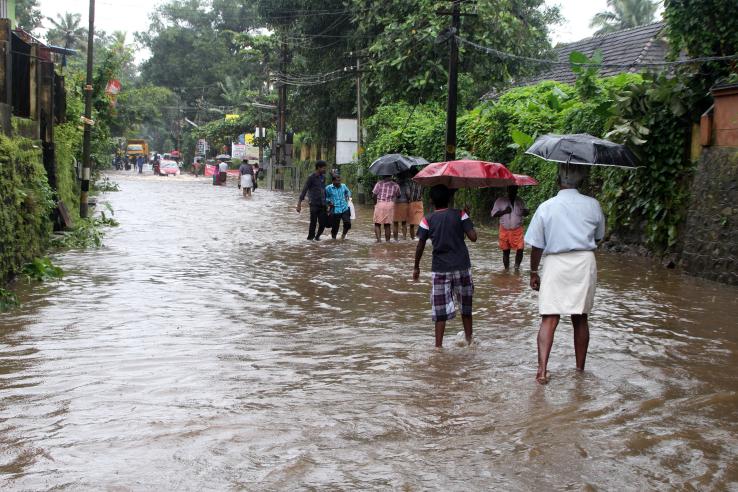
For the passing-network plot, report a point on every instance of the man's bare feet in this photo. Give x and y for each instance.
(543, 380)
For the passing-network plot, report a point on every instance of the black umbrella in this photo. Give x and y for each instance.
(582, 149)
(391, 164)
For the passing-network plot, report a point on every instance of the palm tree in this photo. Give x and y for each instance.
(67, 31)
(232, 90)
(624, 14)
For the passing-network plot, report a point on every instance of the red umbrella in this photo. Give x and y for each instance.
(465, 174)
(525, 180)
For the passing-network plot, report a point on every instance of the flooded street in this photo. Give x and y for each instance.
(208, 346)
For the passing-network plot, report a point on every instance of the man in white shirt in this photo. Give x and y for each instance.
(511, 210)
(566, 229)
(222, 173)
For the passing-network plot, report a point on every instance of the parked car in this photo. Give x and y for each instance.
(167, 167)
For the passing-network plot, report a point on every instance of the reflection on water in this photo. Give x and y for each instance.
(209, 346)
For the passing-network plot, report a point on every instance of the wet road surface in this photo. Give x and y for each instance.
(208, 346)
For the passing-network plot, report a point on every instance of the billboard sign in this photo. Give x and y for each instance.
(346, 140)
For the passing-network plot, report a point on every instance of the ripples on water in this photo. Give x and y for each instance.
(209, 346)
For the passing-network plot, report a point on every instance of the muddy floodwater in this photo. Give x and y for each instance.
(208, 346)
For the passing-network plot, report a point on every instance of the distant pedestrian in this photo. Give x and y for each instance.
(566, 229)
(402, 206)
(451, 268)
(257, 172)
(222, 173)
(140, 164)
(314, 190)
(415, 209)
(197, 166)
(385, 192)
(246, 177)
(510, 210)
(337, 197)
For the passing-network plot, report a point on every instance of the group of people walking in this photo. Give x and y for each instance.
(563, 235)
(126, 162)
(330, 205)
(399, 205)
(248, 175)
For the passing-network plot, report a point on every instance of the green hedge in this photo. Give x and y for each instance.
(651, 114)
(26, 202)
(68, 140)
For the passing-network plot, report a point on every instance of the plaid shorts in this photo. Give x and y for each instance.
(446, 287)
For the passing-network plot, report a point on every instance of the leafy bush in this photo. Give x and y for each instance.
(8, 300)
(68, 143)
(648, 113)
(106, 185)
(41, 269)
(26, 201)
(87, 233)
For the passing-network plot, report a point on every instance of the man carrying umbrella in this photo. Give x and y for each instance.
(566, 229)
(511, 210)
(314, 189)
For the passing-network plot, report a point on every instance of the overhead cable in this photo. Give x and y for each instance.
(511, 56)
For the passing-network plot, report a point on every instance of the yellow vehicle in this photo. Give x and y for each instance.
(136, 147)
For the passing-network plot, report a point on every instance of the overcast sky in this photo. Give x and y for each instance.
(133, 15)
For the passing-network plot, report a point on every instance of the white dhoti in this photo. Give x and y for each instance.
(247, 181)
(568, 282)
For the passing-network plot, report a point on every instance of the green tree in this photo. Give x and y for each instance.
(28, 14)
(67, 31)
(408, 61)
(193, 46)
(702, 27)
(624, 14)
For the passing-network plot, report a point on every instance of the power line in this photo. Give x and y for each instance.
(511, 56)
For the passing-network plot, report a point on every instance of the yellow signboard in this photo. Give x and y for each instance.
(231, 117)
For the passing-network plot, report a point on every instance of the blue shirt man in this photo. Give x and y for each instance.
(337, 197)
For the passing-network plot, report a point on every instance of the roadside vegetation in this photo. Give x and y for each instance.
(243, 51)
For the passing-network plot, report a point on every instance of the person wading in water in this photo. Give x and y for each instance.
(511, 210)
(566, 229)
(246, 177)
(314, 189)
(337, 196)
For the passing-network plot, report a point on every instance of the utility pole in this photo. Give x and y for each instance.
(453, 81)
(282, 116)
(359, 150)
(179, 126)
(358, 106)
(85, 185)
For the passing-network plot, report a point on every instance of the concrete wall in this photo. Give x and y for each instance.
(710, 247)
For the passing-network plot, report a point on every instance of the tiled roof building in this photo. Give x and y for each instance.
(643, 44)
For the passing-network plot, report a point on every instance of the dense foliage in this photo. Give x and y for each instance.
(702, 27)
(26, 201)
(200, 48)
(648, 113)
